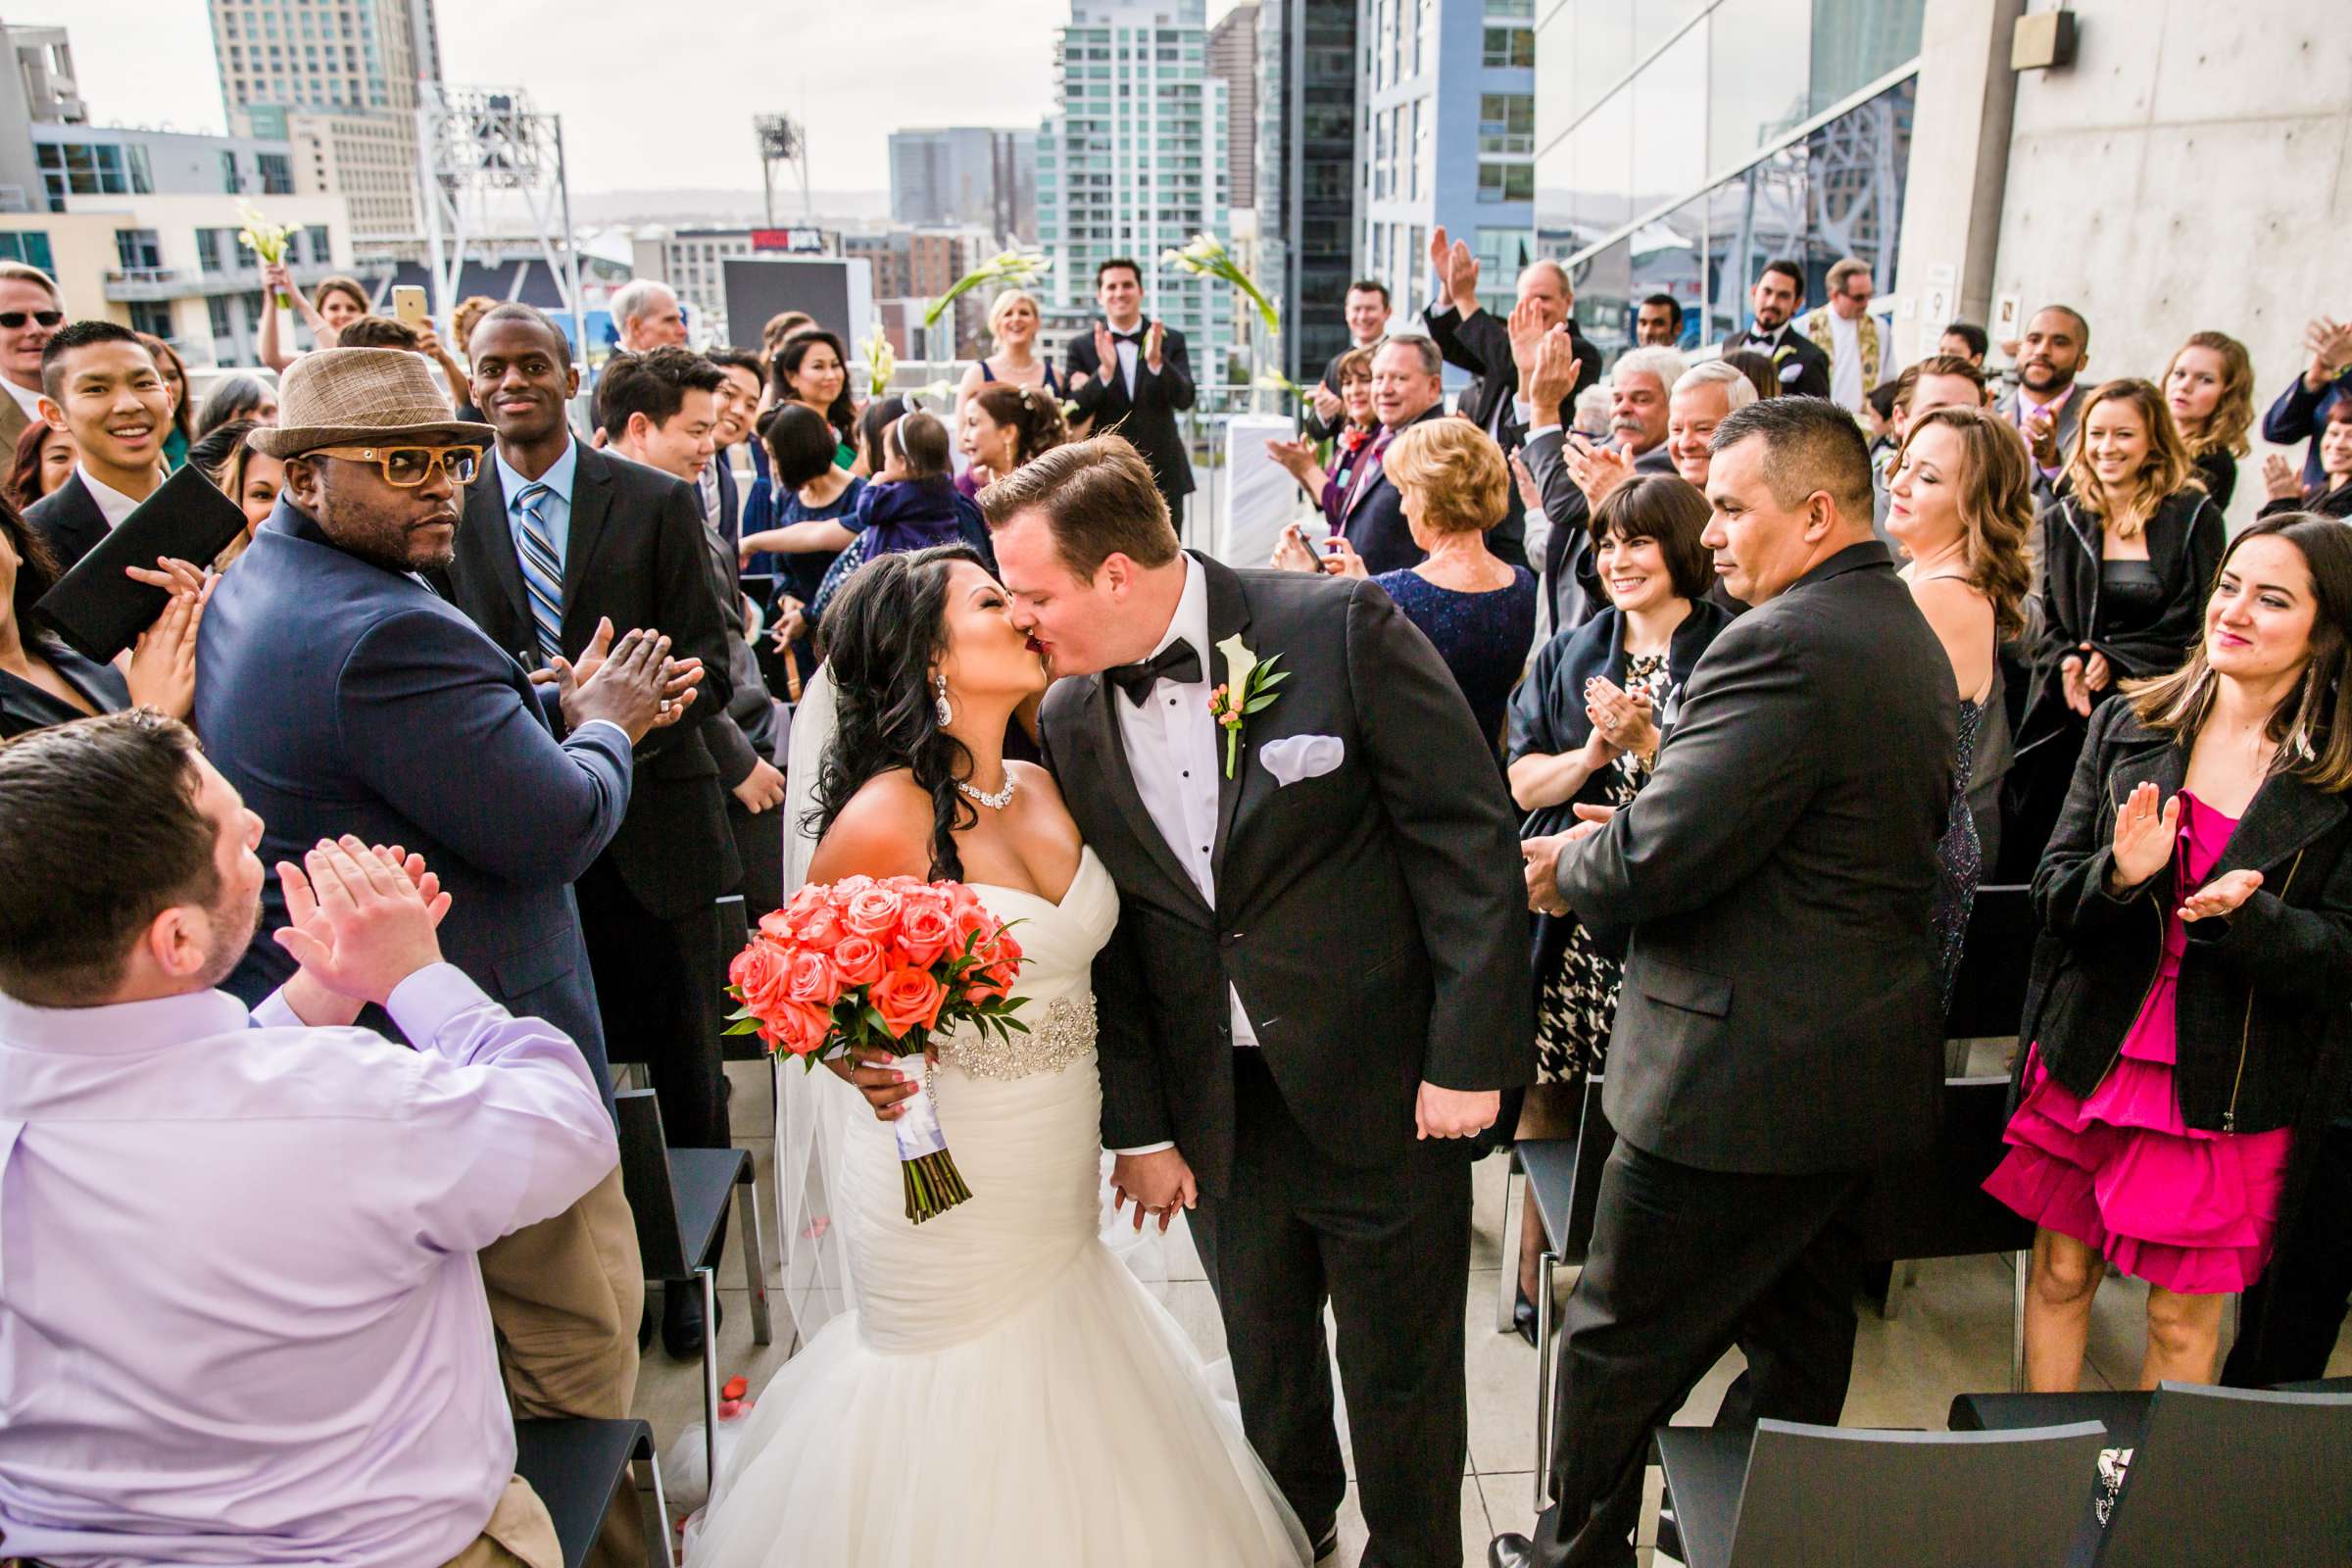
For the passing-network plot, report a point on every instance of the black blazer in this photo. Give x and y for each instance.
(1781, 1011)
(24, 706)
(2186, 540)
(342, 698)
(69, 521)
(1571, 577)
(1149, 419)
(1803, 369)
(2259, 1011)
(1373, 520)
(1481, 343)
(635, 553)
(1371, 918)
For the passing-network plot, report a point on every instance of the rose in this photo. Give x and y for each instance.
(821, 930)
(873, 912)
(842, 892)
(858, 961)
(906, 998)
(797, 912)
(925, 930)
(812, 981)
(797, 1028)
(760, 974)
(975, 926)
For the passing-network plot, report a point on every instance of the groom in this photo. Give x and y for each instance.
(1319, 975)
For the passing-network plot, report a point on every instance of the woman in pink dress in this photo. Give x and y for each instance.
(2186, 1000)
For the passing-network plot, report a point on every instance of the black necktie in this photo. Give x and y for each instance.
(1178, 662)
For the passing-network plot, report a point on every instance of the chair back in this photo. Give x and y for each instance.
(1937, 1207)
(1997, 959)
(2227, 1477)
(1842, 1497)
(645, 1179)
(1564, 1176)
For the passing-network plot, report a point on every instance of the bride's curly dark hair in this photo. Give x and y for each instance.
(885, 633)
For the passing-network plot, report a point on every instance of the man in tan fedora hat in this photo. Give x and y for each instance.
(341, 694)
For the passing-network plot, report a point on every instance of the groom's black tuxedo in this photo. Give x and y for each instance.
(1372, 921)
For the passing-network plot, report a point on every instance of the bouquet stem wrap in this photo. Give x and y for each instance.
(860, 965)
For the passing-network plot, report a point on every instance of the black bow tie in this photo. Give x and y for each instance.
(1136, 336)
(1178, 662)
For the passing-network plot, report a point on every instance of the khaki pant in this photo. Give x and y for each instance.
(566, 1296)
(520, 1534)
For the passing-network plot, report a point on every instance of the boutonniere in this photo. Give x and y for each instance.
(1249, 687)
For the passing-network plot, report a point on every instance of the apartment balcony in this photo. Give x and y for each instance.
(145, 283)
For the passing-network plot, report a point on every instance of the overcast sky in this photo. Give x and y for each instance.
(645, 108)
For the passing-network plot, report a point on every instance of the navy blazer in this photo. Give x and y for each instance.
(69, 520)
(342, 698)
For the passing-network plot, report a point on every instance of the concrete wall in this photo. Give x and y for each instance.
(2188, 172)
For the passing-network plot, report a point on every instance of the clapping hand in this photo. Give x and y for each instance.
(361, 920)
(1297, 458)
(1541, 865)
(2070, 684)
(2220, 897)
(2144, 838)
(1596, 471)
(2330, 343)
(1106, 351)
(1155, 345)
(1531, 494)
(1623, 717)
(1526, 329)
(1328, 403)
(2097, 674)
(1553, 379)
(2279, 478)
(2041, 435)
(634, 684)
(1461, 276)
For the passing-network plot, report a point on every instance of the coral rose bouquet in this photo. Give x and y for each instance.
(889, 964)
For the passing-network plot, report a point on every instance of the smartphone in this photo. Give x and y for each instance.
(408, 306)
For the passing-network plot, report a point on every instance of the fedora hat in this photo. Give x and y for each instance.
(362, 397)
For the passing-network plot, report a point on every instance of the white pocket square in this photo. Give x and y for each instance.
(1294, 758)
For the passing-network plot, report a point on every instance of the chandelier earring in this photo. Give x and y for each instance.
(947, 714)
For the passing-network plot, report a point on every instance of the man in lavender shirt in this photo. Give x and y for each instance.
(240, 1317)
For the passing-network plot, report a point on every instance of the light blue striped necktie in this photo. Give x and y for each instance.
(542, 571)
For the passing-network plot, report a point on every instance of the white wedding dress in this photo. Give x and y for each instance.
(1005, 1393)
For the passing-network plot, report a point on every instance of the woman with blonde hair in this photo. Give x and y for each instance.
(1960, 501)
(1014, 319)
(2210, 389)
(2129, 547)
(1479, 610)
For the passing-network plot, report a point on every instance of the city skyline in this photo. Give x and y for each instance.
(152, 63)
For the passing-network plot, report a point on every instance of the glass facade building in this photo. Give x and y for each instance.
(1683, 144)
(1307, 173)
(1131, 164)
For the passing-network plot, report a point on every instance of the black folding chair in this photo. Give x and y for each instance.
(1563, 1176)
(580, 1468)
(2225, 1477)
(1997, 959)
(679, 1196)
(1832, 1498)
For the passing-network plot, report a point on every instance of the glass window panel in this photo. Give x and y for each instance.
(1669, 122)
(1655, 22)
(1604, 49)
(1604, 283)
(1855, 42)
(1751, 220)
(1669, 256)
(1601, 170)
(1856, 166)
(1758, 58)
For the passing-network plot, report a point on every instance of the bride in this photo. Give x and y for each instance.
(1005, 1393)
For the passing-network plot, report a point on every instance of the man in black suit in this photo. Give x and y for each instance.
(101, 385)
(1319, 973)
(1133, 376)
(340, 695)
(737, 404)
(558, 537)
(1780, 1035)
(1802, 367)
(1367, 313)
(1406, 389)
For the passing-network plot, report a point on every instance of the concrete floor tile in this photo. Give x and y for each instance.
(1476, 1529)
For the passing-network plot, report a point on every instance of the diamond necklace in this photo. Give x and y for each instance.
(994, 803)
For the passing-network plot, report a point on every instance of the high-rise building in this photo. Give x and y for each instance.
(1131, 164)
(966, 175)
(1233, 60)
(338, 80)
(1450, 90)
(1308, 194)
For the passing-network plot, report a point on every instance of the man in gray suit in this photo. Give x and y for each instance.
(1779, 1036)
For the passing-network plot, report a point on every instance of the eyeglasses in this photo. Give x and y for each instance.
(410, 467)
(13, 319)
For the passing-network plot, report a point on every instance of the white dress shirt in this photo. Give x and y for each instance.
(1130, 354)
(1173, 752)
(240, 1317)
(112, 502)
